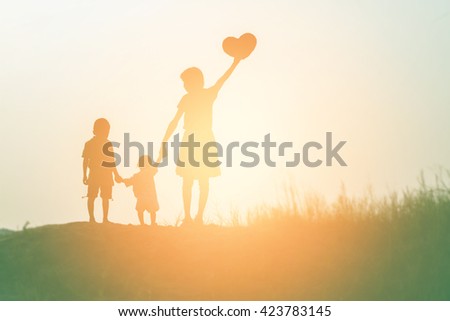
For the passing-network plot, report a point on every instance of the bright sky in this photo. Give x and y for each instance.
(375, 73)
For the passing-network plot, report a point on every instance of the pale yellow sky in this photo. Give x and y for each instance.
(375, 73)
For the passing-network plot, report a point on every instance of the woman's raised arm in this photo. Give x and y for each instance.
(227, 74)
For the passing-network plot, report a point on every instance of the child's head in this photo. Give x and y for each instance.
(193, 79)
(145, 161)
(101, 128)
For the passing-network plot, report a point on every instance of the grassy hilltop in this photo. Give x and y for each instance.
(397, 248)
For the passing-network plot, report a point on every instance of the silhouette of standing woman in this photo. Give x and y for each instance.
(196, 106)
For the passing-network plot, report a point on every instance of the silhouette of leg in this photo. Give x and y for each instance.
(90, 205)
(187, 195)
(105, 203)
(153, 218)
(204, 192)
(141, 217)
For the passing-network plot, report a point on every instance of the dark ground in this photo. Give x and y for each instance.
(289, 259)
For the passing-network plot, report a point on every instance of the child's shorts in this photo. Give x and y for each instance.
(105, 190)
(100, 180)
(147, 205)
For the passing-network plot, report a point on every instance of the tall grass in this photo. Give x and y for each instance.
(395, 247)
(426, 201)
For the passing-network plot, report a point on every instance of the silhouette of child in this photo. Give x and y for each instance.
(144, 189)
(98, 158)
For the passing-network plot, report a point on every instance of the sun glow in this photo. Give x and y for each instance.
(319, 71)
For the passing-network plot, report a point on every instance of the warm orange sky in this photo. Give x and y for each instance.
(374, 73)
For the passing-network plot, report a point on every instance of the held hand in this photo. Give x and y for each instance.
(85, 180)
(118, 179)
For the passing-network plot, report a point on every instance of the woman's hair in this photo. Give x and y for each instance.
(193, 78)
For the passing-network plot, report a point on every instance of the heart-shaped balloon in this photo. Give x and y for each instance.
(240, 47)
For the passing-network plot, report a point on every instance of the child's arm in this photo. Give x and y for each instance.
(227, 74)
(112, 161)
(85, 167)
(117, 177)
